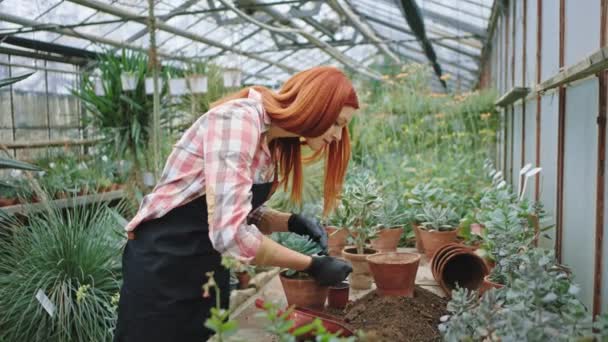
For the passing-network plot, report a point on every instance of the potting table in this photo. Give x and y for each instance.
(65, 202)
(251, 321)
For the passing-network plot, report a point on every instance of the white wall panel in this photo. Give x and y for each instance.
(517, 135)
(530, 141)
(582, 29)
(548, 161)
(508, 141)
(519, 42)
(580, 169)
(550, 39)
(531, 22)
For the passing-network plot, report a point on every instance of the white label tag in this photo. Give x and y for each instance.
(45, 302)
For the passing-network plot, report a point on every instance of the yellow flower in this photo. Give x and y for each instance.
(445, 77)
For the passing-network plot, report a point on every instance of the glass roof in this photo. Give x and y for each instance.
(358, 32)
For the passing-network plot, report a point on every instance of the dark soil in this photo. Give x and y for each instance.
(396, 318)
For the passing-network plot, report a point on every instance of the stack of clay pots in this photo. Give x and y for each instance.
(455, 263)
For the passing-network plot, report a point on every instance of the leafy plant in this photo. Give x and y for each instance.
(361, 201)
(72, 256)
(298, 243)
(122, 117)
(219, 321)
(438, 218)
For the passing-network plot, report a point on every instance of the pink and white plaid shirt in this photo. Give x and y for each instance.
(221, 156)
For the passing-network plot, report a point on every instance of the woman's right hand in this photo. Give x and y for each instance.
(329, 271)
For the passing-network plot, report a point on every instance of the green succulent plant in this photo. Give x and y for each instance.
(298, 243)
(438, 218)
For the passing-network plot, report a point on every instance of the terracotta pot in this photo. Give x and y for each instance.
(337, 296)
(419, 244)
(61, 195)
(244, 279)
(441, 253)
(387, 240)
(336, 240)
(460, 266)
(394, 273)
(433, 240)
(488, 285)
(5, 201)
(361, 277)
(304, 292)
(477, 229)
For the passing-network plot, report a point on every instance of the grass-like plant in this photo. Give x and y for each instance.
(73, 256)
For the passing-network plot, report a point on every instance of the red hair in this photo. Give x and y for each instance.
(308, 104)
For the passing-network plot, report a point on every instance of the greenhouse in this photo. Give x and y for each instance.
(303, 170)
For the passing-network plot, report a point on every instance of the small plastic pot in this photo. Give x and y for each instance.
(337, 297)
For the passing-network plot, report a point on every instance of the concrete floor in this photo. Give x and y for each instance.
(251, 321)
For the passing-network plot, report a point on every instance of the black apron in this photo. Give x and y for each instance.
(163, 273)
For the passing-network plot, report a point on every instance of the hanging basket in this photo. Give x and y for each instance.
(178, 86)
(198, 84)
(128, 80)
(232, 78)
(150, 85)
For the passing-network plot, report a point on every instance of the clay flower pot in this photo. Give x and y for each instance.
(336, 240)
(337, 296)
(5, 201)
(304, 292)
(244, 278)
(432, 240)
(441, 253)
(394, 273)
(387, 240)
(458, 264)
(488, 285)
(419, 244)
(360, 278)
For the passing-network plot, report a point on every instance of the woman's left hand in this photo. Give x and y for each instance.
(303, 226)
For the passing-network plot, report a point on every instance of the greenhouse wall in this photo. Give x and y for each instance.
(559, 125)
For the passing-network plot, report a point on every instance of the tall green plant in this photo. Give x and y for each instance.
(198, 104)
(124, 117)
(72, 257)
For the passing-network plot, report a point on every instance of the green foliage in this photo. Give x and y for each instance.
(361, 202)
(282, 327)
(219, 321)
(74, 258)
(8, 81)
(194, 105)
(438, 218)
(122, 117)
(298, 243)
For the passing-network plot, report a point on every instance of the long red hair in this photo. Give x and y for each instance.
(308, 104)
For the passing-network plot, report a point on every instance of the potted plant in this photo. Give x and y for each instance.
(336, 235)
(243, 272)
(439, 226)
(392, 219)
(361, 200)
(299, 287)
(417, 198)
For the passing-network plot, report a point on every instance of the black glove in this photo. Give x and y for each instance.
(302, 226)
(329, 271)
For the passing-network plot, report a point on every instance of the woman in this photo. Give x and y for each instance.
(209, 200)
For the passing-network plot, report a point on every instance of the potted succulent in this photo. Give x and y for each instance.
(243, 272)
(299, 287)
(361, 201)
(439, 226)
(392, 219)
(417, 198)
(336, 235)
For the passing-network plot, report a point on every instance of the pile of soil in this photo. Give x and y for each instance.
(397, 318)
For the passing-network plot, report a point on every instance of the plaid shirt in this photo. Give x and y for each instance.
(221, 156)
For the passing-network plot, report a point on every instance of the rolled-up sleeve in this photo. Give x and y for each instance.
(230, 140)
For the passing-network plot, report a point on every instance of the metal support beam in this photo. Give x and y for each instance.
(451, 22)
(367, 32)
(103, 7)
(404, 30)
(93, 38)
(323, 46)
